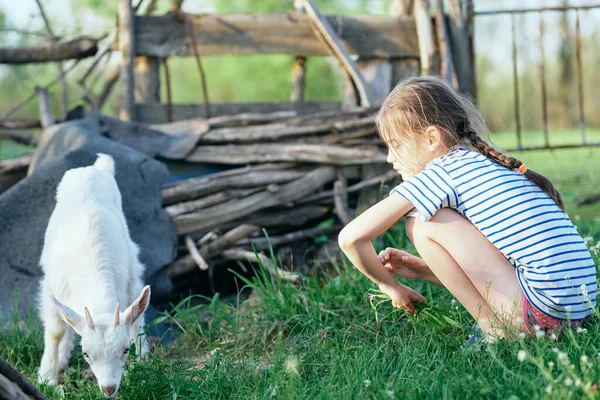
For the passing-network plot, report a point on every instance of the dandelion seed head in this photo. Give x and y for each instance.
(522, 355)
(568, 381)
(540, 334)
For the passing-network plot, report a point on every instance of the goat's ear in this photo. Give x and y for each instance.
(70, 316)
(135, 310)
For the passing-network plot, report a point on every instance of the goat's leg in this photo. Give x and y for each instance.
(54, 331)
(65, 348)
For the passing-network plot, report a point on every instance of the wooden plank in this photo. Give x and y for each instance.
(71, 50)
(459, 37)
(424, 30)
(46, 116)
(156, 113)
(337, 49)
(365, 35)
(443, 36)
(147, 79)
(306, 153)
(126, 36)
(298, 68)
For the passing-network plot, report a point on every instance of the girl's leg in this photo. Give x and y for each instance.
(471, 267)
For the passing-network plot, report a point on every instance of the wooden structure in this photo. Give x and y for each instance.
(387, 48)
(297, 169)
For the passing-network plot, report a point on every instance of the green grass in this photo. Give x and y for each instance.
(329, 337)
(323, 339)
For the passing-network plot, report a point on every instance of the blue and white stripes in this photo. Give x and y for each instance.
(553, 265)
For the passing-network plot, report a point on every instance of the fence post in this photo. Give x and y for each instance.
(147, 79)
(126, 47)
(298, 67)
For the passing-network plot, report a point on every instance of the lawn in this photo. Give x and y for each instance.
(323, 339)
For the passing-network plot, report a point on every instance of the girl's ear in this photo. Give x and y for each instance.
(434, 138)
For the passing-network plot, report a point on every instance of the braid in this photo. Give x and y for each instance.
(512, 163)
(484, 148)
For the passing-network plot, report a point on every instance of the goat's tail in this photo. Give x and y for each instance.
(105, 163)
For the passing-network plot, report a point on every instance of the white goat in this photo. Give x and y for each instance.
(90, 267)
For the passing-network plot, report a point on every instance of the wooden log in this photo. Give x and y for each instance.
(13, 170)
(147, 79)
(402, 67)
(260, 133)
(443, 36)
(305, 153)
(46, 117)
(298, 68)
(328, 194)
(426, 40)
(249, 177)
(261, 244)
(219, 214)
(156, 113)
(19, 136)
(195, 254)
(111, 79)
(245, 119)
(126, 37)
(286, 219)
(51, 52)
(187, 264)
(11, 374)
(20, 124)
(287, 129)
(291, 118)
(229, 239)
(340, 199)
(266, 262)
(336, 48)
(210, 200)
(64, 98)
(592, 199)
(366, 35)
(459, 37)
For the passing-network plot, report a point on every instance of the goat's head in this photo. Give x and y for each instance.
(105, 340)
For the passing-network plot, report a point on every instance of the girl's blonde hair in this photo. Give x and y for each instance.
(418, 103)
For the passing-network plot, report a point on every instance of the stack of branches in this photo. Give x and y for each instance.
(296, 177)
(299, 178)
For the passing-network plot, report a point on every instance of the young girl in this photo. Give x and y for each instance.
(492, 232)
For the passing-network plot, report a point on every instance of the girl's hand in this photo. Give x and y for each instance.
(403, 297)
(403, 264)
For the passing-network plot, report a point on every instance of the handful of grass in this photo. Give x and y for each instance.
(436, 316)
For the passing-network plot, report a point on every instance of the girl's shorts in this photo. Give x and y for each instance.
(532, 316)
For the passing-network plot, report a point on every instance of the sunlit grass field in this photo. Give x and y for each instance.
(326, 339)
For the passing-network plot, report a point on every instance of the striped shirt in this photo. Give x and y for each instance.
(552, 263)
